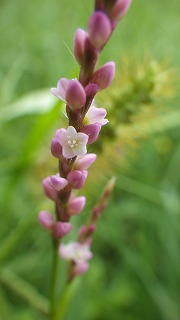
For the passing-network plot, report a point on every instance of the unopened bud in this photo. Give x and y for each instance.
(92, 130)
(61, 229)
(80, 268)
(104, 76)
(58, 182)
(75, 95)
(79, 45)
(119, 9)
(49, 190)
(77, 178)
(46, 220)
(84, 162)
(99, 28)
(76, 205)
(85, 233)
(56, 148)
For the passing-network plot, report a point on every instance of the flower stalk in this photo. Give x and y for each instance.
(70, 145)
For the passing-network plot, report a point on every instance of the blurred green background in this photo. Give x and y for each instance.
(135, 272)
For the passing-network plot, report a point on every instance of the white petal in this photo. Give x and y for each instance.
(71, 131)
(95, 115)
(62, 137)
(104, 121)
(67, 152)
(56, 93)
(62, 86)
(80, 150)
(82, 138)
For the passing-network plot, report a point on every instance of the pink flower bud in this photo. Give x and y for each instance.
(61, 229)
(80, 268)
(91, 90)
(56, 148)
(84, 162)
(77, 178)
(71, 92)
(46, 220)
(104, 76)
(119, 9)
(99, 28)
(85, 233)
(49, 190)
(58, 183)
(79, 45)
(75, 95)
(92, 130)
(76, 205)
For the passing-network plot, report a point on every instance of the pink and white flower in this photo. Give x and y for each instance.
(73, 143)
(95, 115)
(70, 92)
(77, 252)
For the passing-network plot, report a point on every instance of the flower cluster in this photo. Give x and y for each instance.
(85, 121)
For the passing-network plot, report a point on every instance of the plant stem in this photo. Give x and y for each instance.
(65, 299)
(53, 279)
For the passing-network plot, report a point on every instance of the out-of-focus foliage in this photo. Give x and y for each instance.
(135, 273)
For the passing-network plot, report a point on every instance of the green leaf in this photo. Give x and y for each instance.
(38, 102)
(24, 290)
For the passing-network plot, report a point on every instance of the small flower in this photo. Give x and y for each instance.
(77, 252)
(95, 115)
(71, 92)
(73, 143)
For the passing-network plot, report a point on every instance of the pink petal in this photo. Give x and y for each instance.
(84, 162)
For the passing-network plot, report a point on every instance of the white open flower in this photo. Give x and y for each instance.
(95, 115)
(75, 251)
(73, 143)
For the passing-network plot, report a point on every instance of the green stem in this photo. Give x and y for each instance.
(65, 299)
(53, 278)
